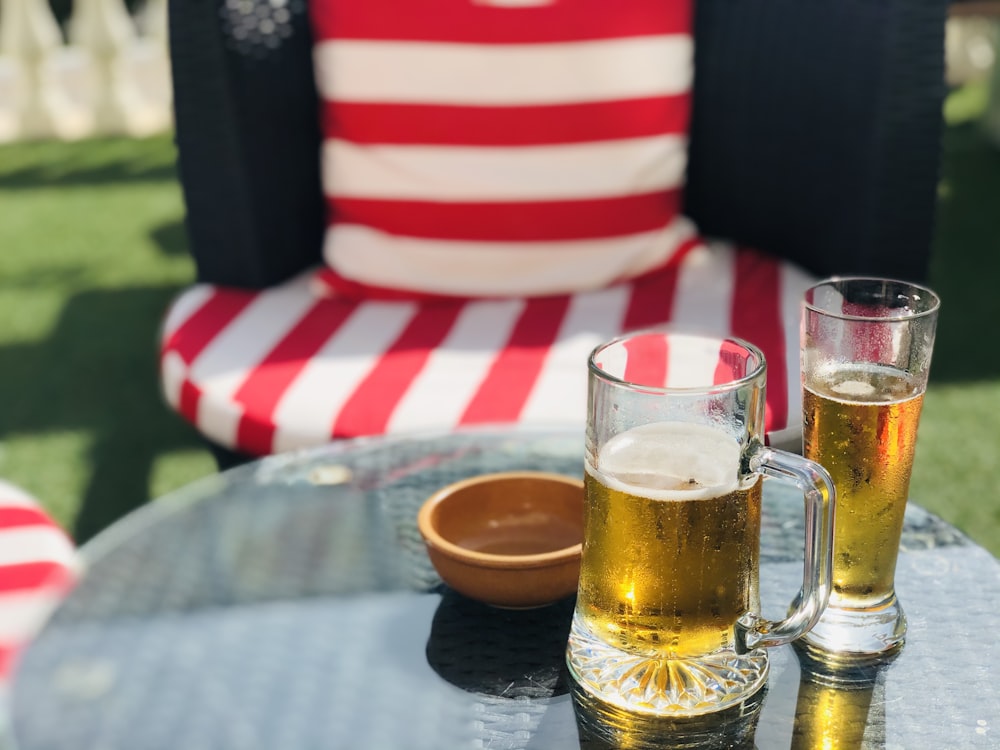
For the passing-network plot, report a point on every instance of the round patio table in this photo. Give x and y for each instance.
(289, 603)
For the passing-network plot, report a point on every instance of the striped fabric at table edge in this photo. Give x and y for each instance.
(757, 315)
(19, 515)
(39, 567)
(40, 604)
(35, 575)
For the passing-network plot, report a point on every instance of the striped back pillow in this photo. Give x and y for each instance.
(523, 147)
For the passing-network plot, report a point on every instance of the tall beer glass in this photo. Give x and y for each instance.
(866, 353)
(667, 619)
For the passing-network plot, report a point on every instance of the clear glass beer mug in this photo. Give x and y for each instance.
(667, 619)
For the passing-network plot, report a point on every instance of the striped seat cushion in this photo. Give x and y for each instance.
(267, 371)
(500, 147)
(38, 564)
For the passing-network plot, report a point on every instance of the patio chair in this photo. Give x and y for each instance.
(814, 146)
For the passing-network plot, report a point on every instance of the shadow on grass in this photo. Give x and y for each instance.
(965, 262)
(92, 163)
(70, 176)
(98, 373)
(171, 238)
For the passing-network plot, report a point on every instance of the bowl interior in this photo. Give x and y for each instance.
(511, 515)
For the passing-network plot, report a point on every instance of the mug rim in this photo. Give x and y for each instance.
(833, 281)
(730, 385)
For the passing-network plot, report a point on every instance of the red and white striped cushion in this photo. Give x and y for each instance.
(504, 149)
(38, 564)
(268, 371)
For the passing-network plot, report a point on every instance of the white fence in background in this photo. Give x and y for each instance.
(108, 73)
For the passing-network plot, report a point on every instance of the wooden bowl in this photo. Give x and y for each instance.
(511, 540)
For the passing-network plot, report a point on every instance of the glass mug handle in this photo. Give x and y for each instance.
(752, 630)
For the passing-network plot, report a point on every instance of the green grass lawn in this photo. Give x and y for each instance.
(92, 249)
(957, 471)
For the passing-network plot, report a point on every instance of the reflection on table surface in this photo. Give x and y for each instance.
(290, 603)
(840, 705)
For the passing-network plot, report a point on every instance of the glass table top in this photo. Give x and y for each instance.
(290, 603)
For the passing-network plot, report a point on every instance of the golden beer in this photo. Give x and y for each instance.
(670, 560)
(860, 423)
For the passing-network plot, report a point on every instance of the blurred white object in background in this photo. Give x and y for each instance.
(45, 79)
(111, 78)
(13, 94)
(133, 73)
(970, 48)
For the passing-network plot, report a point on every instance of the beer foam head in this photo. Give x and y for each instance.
(854, 388)
(671, 461)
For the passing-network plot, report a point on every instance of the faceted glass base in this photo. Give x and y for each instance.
(661, 686)
(851, 633)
